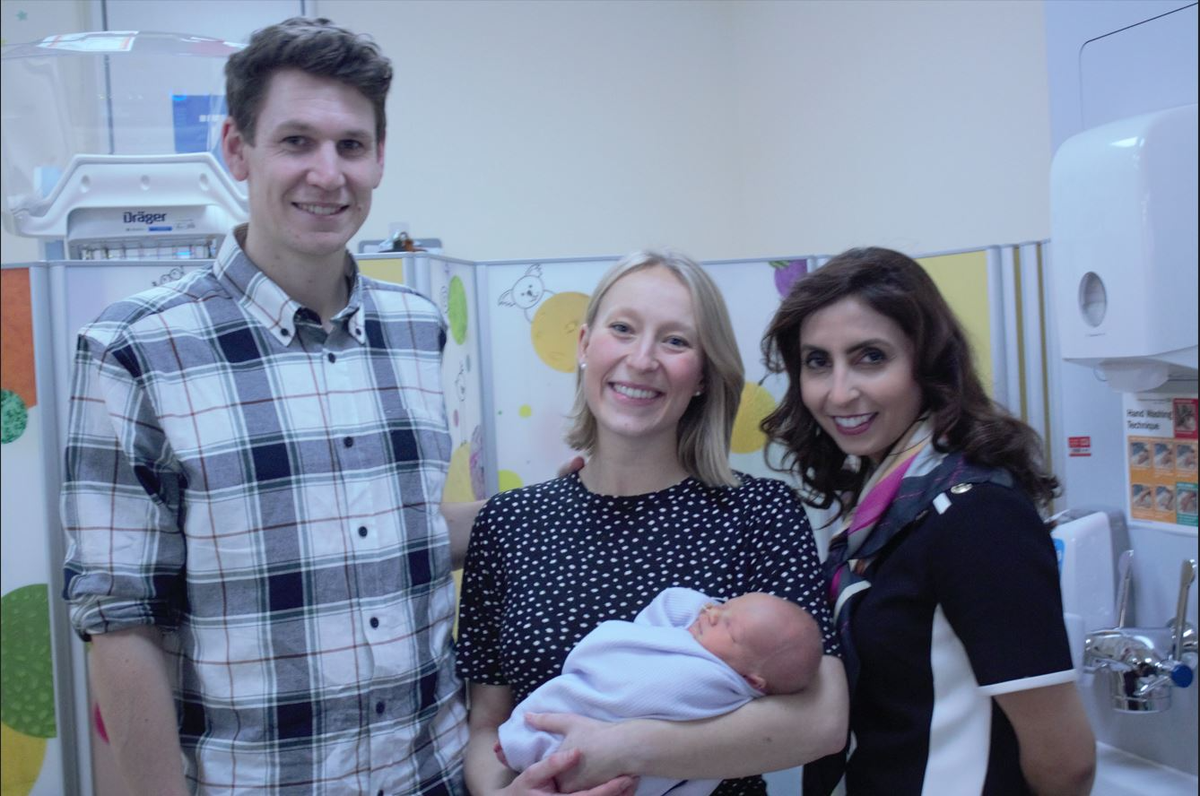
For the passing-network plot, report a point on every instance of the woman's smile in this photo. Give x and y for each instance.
(634, 393)
(854, 424)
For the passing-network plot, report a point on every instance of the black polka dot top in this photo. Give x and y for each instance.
(548, 563)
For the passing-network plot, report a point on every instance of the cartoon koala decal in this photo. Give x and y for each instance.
(528, 291)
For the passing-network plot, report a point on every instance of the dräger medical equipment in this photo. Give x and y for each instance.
(111, 145)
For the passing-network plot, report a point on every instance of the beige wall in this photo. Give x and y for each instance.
(555, 128)
(922, 126)
(729, 129)
(541, 128)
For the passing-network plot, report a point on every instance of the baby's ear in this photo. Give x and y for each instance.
(756, 682)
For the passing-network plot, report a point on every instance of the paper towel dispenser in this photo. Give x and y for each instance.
(1124, 247)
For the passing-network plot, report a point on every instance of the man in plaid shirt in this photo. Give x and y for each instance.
(254, 467)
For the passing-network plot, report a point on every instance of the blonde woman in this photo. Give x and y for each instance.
(657, 506)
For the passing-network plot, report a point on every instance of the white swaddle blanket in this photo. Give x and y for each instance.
(649, 668)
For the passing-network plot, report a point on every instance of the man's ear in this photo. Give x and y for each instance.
(233, 148)
(380, 148)
(756, 681)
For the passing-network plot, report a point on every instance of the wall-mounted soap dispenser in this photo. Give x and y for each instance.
(1123, 218)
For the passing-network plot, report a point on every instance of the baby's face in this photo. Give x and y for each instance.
(733, 631)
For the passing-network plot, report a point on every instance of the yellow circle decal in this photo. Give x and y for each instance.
(458, 478)
(509, 480)
(555, 330)
(756, 404)
(22, 761)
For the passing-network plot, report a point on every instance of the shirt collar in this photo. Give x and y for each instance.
(266, 302)
(352, 314)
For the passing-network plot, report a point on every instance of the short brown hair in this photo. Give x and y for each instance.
(314, 46)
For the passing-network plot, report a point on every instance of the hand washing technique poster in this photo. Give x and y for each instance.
(1161, 450)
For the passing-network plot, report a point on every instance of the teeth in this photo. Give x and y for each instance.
(320, 210)
(851, 422)
(634, 392)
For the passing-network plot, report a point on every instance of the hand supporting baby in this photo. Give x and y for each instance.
(571, 774)
(602, 757)
(549, 777)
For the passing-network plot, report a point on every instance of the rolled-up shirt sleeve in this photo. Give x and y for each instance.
(122, 506)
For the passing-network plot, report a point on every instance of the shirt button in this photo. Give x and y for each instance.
(285, 332)
(362, 531)
(374, 622)
(379, 708)
(332, 357)
(348, 442)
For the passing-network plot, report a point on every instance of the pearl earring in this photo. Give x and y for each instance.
(582, 365)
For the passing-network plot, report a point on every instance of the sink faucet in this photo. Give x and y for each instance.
(1142, 664)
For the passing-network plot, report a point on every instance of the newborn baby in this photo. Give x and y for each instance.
(684, 657)
(774, 644)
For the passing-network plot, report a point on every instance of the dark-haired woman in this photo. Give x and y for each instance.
(943, 577)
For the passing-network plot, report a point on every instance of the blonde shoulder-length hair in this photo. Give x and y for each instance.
(707, 424)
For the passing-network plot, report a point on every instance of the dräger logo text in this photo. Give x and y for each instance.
(142, 217)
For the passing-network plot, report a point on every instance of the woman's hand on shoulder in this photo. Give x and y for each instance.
(572, 466)
(602, 758)
(542, 779)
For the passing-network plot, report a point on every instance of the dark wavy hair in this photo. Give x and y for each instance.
(964, 418)
(314, 46)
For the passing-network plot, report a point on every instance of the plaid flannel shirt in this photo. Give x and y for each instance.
(267, 494)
